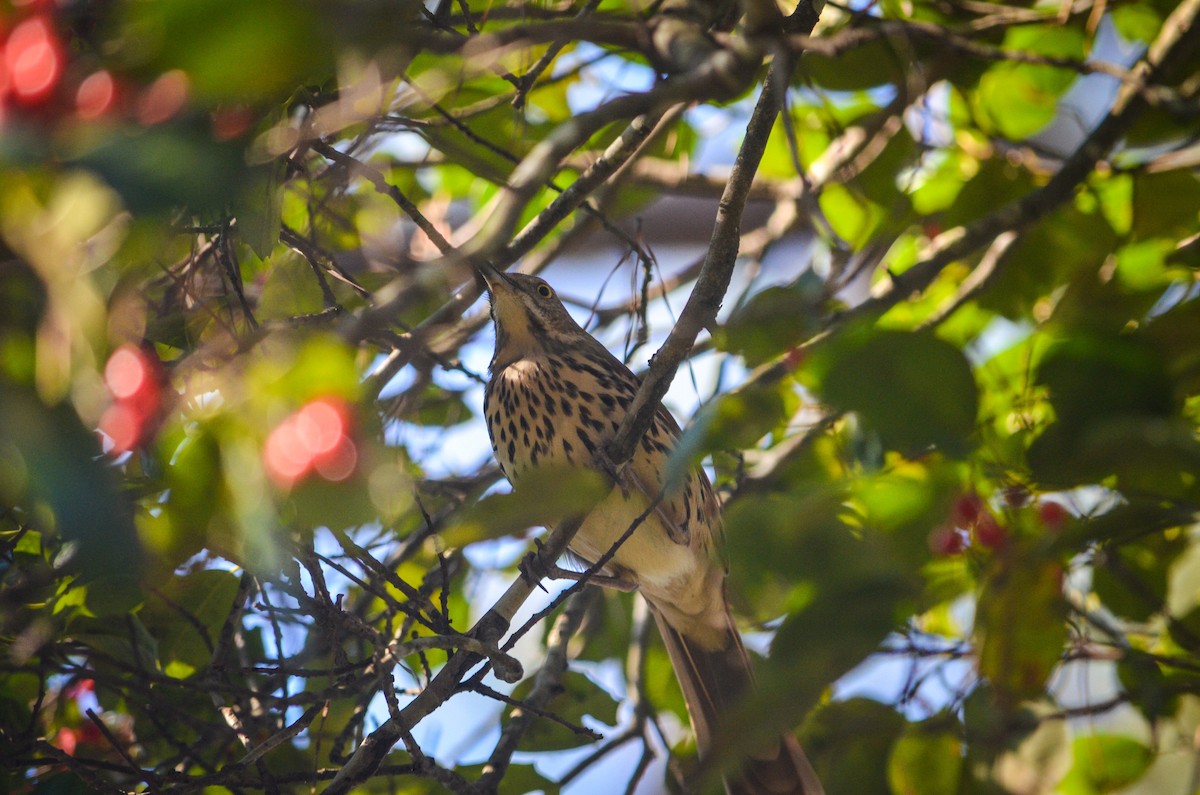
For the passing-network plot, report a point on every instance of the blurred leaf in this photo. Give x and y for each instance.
(1142, 678)
(1105, 763)
(1136, 21)
(736, 420)
(1020, 624)
(518, 780)
(924, 762)
(259, 211)
(774, 320)
(60, 783)
(1043, 757)
(853, 217)
(440, 407)
(159, 169)
(870, 64)
(576, 697)
(231, 50)
(124, 639)
(1061, 245)
(913, 389)
(848, 743)
(548, 496)
(1020, 99)
(64, 470)
(1165, 204)
(186, 642)
(996, 182)
(1131, 579)
(291, 289)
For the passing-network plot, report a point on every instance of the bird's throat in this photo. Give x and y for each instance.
(517, 335)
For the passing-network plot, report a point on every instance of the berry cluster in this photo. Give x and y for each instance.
(971, 520)
(37, 75)
(44, 76)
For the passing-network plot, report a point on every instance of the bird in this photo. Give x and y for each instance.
(555, 396)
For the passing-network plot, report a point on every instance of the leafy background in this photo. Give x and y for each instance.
(950, 400)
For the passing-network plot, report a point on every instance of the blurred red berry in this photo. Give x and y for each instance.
(1053, 515)
(163, 98)
(232, 122)
(124, 426)
(966, 509)
(314, 438)
(33, 60)
(66, 739)
(989, 532)
(133, 376)
(339, 463)
(946, 541)
(90, 734)
(96, 95)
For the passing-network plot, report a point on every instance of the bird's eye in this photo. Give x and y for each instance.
(544, 290)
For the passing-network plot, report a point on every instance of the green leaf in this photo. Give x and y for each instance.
(1136, 21)
(774, 320)
(873, 63)
(734, 421)
(913, 389)
(1165, 204)
(186, 639)
(1095, 377)
(158, 169)
(1131, 579)
(848, 743)
(221, 46)
(124, 639)
(577, 697)
(1021, 625)
(63, 470)
(1065, 243)
(259, 211)
(924, 762)
(851, 215)
(545, 497)
(1020, 99)
(1105, 763)
(291, 289)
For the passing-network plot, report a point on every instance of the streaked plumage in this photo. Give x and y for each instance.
(555, 396)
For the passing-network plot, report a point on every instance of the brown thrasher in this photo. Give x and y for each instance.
(556, 396)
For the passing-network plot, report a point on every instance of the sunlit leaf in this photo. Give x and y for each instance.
(1105, 763)
(925, 762)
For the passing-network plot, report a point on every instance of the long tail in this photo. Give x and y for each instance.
(713, 681)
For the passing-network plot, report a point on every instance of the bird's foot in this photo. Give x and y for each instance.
(534, 568)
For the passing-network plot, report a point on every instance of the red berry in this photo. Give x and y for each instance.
(124, 426)
(966, 510)
(1053, 515)
(989, 532)
(317, 437)
(946, 541)
(66, 739)
(96, 95)
(33, 60)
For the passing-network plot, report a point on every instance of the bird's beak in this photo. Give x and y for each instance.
(493, 278)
